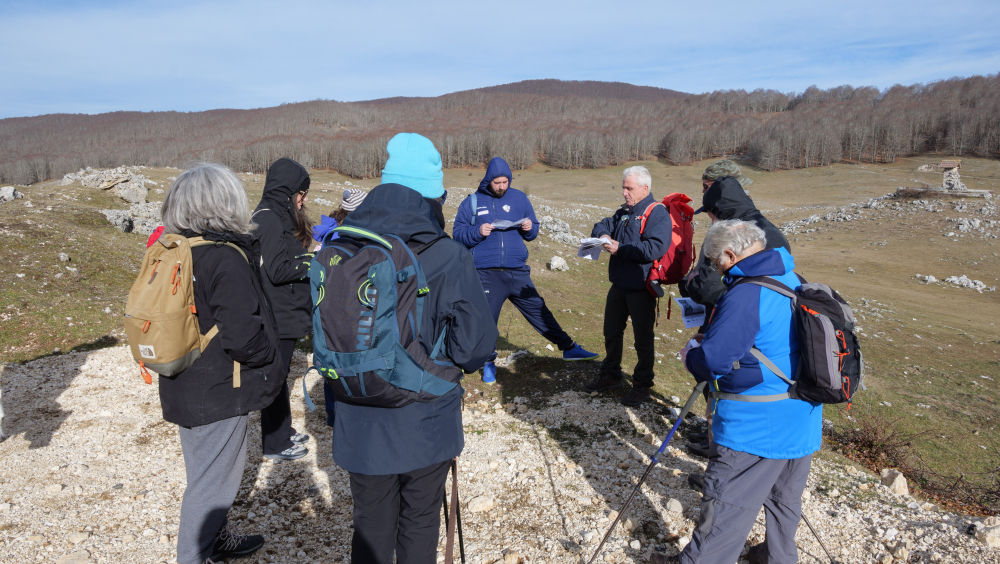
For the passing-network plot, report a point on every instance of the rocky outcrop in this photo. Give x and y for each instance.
(124, 182)
(129, 185)
(9, 193)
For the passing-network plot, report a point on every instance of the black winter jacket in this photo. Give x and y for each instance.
(285, 259)
(227, 292)
(629, 267)
(726, 199)
(377, 440)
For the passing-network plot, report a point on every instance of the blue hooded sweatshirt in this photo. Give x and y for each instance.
(501, 248)
(747, 316)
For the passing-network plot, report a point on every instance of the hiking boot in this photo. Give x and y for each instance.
(757, 554)
(230, 545)
(697, 482)
(697, 437)
(603, 382)
(636, 397)
(293, 452)
(489, 373)
(657, 558)
(578, 353)
(699, 449)
(299, 438)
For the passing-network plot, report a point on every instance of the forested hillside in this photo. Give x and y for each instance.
(564, 124)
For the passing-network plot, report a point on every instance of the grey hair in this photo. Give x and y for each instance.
(207, 197)
(731, 235)
(641, 175)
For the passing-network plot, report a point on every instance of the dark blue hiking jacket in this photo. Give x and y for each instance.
(629, 267)
(501, 248)
(378, 440)
(749, 316)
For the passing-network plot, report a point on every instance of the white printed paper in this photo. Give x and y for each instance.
(692, 313)
(502, 224)
(591, 247)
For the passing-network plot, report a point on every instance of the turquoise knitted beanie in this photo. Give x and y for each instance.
(414, 163)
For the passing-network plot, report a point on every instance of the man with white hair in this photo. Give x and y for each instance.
(636, 239)
(763, 441)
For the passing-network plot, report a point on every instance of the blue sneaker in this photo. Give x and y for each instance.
(578, 353)
(489, 373)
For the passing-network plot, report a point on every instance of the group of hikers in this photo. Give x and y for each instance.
(265, 280)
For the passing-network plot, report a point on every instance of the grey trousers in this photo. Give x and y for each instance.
(214, 457)
(737, 484)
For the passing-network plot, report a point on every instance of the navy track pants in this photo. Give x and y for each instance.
(514, 284)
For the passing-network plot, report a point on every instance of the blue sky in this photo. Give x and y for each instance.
(73, 56)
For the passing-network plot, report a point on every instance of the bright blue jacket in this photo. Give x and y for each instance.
(747, 316)
(501, 248)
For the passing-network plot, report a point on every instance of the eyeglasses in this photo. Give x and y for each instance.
(444, 197)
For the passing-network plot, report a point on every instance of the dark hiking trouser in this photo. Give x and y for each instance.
(737, 484)
(640, 305)
(214, 458)
(398, 513)
(514, 284)
(276, 419)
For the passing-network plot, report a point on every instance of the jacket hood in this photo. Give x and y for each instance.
(772, 262)
(726, 199)
(284, 178)
(394, 209)
(326, 225)
(497, 167)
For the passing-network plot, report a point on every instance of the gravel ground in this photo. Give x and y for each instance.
(92, 473)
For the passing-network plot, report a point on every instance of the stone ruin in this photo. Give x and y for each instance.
(953, 181)
(129, 185)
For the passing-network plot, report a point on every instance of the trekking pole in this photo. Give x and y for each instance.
(815, 534)
(652, 462)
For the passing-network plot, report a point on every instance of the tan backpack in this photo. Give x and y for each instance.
(161, 321)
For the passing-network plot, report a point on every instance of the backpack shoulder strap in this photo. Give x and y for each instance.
(769, 283)
(645, 215)
(772, 366)
(474, 202)
(202, 242)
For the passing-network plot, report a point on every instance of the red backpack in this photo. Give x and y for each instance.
(680, 254)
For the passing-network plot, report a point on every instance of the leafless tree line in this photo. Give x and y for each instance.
(525, 125)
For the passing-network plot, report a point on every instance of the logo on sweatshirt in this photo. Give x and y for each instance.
(506, 208)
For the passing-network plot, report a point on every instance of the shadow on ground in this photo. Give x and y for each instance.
(33, 410)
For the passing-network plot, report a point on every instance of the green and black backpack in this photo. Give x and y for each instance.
(368, 294)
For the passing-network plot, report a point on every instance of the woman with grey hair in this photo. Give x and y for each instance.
(208, 200)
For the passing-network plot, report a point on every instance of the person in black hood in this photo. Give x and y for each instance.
(724, 198)
(285, 233)
(398, 458)
(208, 200)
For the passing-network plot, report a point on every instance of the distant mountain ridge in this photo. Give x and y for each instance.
(588, 89)
(565, 124)
(555, 87)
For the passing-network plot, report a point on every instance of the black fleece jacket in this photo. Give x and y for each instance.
(629, 267)
(285, 259)
(228, 293)
(726, 199)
